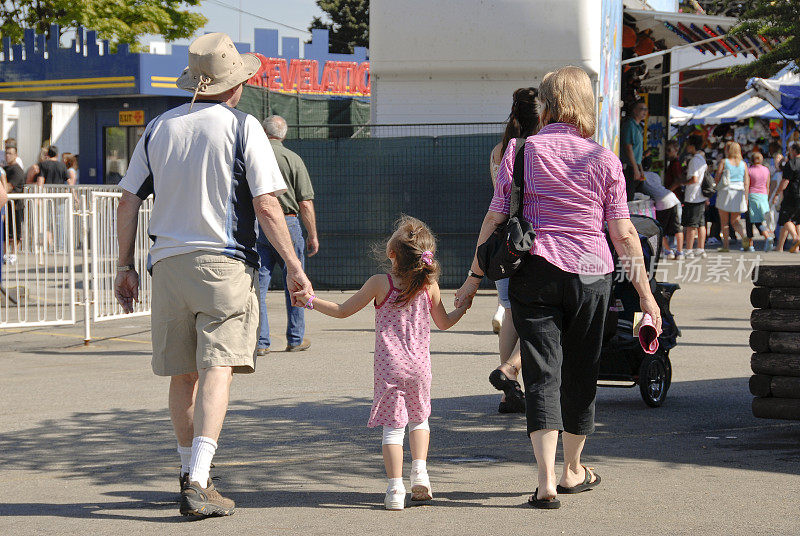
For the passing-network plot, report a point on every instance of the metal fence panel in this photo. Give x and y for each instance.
(38, 278)
(104, 255)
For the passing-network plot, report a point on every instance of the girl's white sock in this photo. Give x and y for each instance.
(186, 458)
(419, 466)
(203, 449)
(395, 483)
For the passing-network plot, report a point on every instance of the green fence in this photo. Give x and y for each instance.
(438, 173)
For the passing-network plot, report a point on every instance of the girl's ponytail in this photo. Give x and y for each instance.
(414, 247)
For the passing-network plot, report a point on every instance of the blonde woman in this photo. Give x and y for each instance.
(560, 296)
(733, 184)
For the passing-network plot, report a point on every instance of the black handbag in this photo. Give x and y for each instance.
(510, 244)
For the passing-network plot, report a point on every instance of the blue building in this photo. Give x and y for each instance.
(119, 93)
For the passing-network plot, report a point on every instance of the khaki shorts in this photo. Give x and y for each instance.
(204, 314)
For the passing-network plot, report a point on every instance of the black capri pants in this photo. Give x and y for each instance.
(559, 317)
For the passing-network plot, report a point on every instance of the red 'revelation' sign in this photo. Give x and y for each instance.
(343, 78)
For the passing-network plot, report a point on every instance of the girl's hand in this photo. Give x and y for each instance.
(302, 297)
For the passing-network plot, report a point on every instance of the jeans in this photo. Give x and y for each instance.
(296, 326)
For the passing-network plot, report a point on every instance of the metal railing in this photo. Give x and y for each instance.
(104, 254)
(38, 278)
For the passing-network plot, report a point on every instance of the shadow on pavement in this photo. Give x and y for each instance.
(284, 454)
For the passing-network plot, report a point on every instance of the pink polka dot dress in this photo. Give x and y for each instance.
(402, 360)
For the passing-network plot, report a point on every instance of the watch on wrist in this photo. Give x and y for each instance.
(470, 273)
(126, 268)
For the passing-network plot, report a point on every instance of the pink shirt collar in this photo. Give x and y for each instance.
(560, 128)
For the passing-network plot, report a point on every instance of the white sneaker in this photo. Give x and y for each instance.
(690, 254)
(395, 499)
(700, 253)
(497, 319)
(420, 486)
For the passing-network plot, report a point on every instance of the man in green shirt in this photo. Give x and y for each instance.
(298, 200)
(633, 148)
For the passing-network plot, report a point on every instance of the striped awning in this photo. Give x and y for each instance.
(681, 28)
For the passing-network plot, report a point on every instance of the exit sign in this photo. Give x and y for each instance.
(131, 118)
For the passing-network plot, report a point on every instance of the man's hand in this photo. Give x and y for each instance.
(638, 174)
(297, 282)
(467, 291)
(648, 305)
(301, 297)
(312, 245)
(126, 289)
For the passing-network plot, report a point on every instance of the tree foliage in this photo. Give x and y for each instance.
(348, 26)
(119, 21)
(769, 18)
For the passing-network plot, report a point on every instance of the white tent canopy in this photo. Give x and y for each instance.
(742, 106)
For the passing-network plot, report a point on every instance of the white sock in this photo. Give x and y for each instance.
(419, 466)
(395, 483)
(203, 449)
(186, 458)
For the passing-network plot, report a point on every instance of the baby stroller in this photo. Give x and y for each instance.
(622, 358)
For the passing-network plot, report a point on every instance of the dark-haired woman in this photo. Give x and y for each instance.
(522, 122)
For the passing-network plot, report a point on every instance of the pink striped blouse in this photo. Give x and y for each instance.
(572, 186)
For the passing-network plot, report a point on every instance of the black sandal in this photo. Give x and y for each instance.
(587, 482)
(501, 382)
(544, 504)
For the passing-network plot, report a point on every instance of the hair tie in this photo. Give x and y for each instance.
(427, 257)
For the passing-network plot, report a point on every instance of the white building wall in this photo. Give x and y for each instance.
(23, 121)
(456, 61)
(65, 127)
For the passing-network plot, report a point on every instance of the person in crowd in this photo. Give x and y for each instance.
(214, 178)
(668, 210)
(12, 143)
(71, 162)
(560, 295)
(15, 183)
(33, 171)
(674, 175)
(789, 189)
(758, 201)
(733, 183)
(297, 199)
(632, 139)
(694, 206)
(52, 170)
(405, 299)
(775, 164)
(522, 122)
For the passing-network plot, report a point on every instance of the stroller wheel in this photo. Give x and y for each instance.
(655, 376)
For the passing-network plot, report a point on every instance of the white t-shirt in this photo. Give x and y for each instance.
(204, 168)
(696, 168)
(653, 187)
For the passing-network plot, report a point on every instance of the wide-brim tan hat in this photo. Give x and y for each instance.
(215, 66)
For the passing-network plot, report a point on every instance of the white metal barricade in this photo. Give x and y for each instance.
(37, 287)
(104, 255)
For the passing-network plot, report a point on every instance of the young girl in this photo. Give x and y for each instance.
(404, 300)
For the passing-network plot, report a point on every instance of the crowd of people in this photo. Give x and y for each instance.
(714, 190)
(50, 168)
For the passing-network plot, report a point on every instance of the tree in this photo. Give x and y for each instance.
(119, 21)
(348, 26)
(771, 19)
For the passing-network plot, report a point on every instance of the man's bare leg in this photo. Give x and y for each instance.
(211, 404)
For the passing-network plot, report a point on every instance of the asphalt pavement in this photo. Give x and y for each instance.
(86, 445)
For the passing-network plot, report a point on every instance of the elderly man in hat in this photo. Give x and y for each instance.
(213, 175)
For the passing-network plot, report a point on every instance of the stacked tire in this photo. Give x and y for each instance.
(776, 342)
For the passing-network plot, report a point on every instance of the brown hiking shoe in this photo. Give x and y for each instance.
(304, 345)
(206, 502)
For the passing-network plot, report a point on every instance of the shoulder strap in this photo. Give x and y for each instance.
(518, 187)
